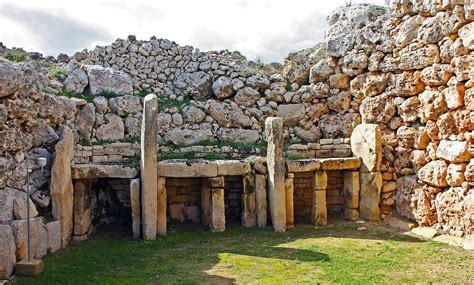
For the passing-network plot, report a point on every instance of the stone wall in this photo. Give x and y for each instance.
(184, 199)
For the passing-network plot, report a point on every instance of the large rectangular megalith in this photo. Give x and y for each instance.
(276, 172)
(149, 167)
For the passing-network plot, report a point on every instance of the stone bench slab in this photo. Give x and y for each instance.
(315, 164)
(202, 168)
(90, 171)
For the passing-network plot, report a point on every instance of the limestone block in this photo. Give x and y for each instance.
(351, 187)
(90, 171)
(370, 188)
(135, 205)
(290, 213)
(434, 173)
(217, 210)
(205, 203)
(276, 172)
(38, 238)
(453, 151)
(161, 207)
(194, 168)
(351, 214)
(320, 180)
(319, 209)
(82, 208)
(249, 214)
(232, 167)
(455, 174)
(53, 231)
(366, 143)
(343, 163)
(261, 200)
(20, 208)
(7, 251)
(303, 165)
(216, 182)
(61, 185)
(148, 166)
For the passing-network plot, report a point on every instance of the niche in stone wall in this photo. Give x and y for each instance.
(233, 199)
(184, 200)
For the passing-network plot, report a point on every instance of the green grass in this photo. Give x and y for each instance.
(127, 139)
(15, 55)
(165, 102)
(338, 253)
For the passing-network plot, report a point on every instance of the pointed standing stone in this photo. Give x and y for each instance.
(148, 166)
(290, 217)
(161, 205)
(276, 172)
(135, 204)
(261, 200)
(61, 184)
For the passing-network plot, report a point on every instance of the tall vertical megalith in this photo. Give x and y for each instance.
(149, 167)
(62, 192)
(161, 207)
(276, 172)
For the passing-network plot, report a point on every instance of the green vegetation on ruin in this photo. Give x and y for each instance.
(339, 253)
(164, 103)
(133, 161)
(15, 55)
(126, 139)
(58, 73)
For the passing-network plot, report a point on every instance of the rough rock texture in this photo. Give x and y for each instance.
(7, 251)
(109, 80)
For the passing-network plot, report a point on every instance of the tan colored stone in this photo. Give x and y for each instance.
(7, 251)
(453, 151)
(351, 214)
(82, 208)
(61, 185)
(342, 163)
(276, 173)
(261, 200)
(425, 232)
(339, 81)
(92, 171)
(232, 167)
(193, 168)
(135, 207)
(434, 173)
(148, 167)
(249, 213)
(217, 210)
(370, 188)
(53, 230)
(38, 238)
(20, 208)
(205, 203)
(418, 55)
(319, 214)
(366, 143)
(290, 217)
(303, 165)
(432, 105)
(351, 188)
(454, 96)
(161, 207)
(455, 174)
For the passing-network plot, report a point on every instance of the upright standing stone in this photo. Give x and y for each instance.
(351, 188)
(53, 231)
(319, 209)
(276, 172)
(82, 208)
(7, 251)
(61, 188)
(135, 204)
(261, 200)
(148, 165)
(205, 202)
(249, 214)
(366, 143)
(290, 212)
(161, 206)
(217, 221)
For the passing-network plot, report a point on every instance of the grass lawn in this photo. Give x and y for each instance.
(337, 253)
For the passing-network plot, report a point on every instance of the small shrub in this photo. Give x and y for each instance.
(133, 162)
(131, 139)
(15, 55)
(58, 73)
(165, 102)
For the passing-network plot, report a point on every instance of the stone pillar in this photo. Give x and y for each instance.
(319, 213)
(351, 188)
(366, 143)
(82, 209)
(205, 201)
(261, 200)
(148, 166)
(290, 211)
(249, 214)
(161, 207)
(276, 172)
(61, 188)
(135, 204)
(217, 213)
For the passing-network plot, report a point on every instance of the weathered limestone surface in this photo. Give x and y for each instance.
(148, 166)
(351, 186)
(370, 187)
(161, 207)
(53, 230)
(290, 214)
(261, 200)
(7, 251)
(61, 185)
(276, 173)
(205, 203)
(366, 144)
(319, 209)
(249, 213)
(82, 208)
(217, 210)
(90, 171)
(38, 238)
(191, 168)
(135, 205)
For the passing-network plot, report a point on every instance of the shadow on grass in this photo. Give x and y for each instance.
(189, 256)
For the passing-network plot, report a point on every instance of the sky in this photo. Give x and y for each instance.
(258, 28)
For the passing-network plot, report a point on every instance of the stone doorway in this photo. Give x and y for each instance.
(233, 186)
(183, 198)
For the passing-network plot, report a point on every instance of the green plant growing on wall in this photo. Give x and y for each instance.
(133, 161)
(15, 55)
(58, 73)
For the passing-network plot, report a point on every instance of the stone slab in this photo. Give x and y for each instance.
(261, 200)
(232, 167)
(425, 232)
(90, 171)
(187, 168)
(29, 268)
(303, 165)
